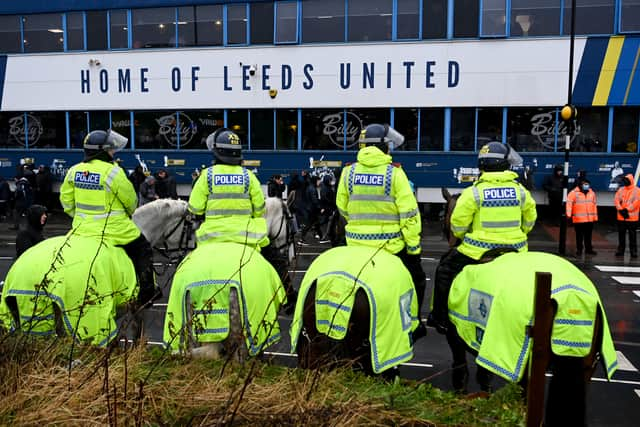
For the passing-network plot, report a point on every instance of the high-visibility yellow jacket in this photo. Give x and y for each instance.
(495, 212)
(206, 276)
(393, 304)
(100, 199)
(582, 207)
(491, 306)
(375, 198)
(628, 197)
(232, 200)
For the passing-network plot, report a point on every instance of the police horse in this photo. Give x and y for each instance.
(347, 312)
(225, 297)
(76, 285)
(483, 317)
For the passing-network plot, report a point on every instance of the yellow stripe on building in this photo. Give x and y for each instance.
(608, 70)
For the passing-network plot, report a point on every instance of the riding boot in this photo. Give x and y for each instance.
(141, 254)
(484, 379)
(460, 378)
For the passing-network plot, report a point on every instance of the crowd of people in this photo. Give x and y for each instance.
(31, 186)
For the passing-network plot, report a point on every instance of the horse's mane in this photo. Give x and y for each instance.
(155, 217)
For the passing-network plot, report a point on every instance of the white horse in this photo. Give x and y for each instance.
(75, 285)
(225, 297)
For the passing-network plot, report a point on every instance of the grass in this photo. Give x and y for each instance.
(139, 386)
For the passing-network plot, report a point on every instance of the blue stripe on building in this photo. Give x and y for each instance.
(624, 71)
(589, 70)
(3, 70)
(634, 89)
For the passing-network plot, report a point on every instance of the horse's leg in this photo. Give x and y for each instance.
(59, 323)
(12, 303)
(356, 341)
(236, 343)
(566, 398)
(460, 374)
(314, 349)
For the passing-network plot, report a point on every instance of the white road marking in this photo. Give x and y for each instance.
(297, 271)
(159, 304)
(604, 380)
(417, 365)
(637, 293)
(308, 253)
(624, 364)
(427, 258)
(637, 392)
(626, 280)
(617, 269)
(6, 258)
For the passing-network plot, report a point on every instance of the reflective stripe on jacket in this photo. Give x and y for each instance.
(628, 198)
(231, 199)
(376, 200)
(582, 207)
(495, 212)
(491, 306)
(100, 199)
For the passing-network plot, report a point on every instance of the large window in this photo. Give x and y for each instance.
(535, 17)
(121, 123)
(200, 25)
(10, 35)
(323, 21)
(119, 37)
(237, 24)
(463, 121)
(626, 123)
(591, 131)
(494, 14)
(629, 15)
(99, 120)
(155, 129)
(12, 129)
(489, 125)
(47, 129)
(434, 19)
(77, 128)
(323, 129)
(287, 129)
(406, 122)
(154, 27)
(532, 129)
(432, 129)
(261, 23)
(238, 121)
(262, 129)
(43, 33)
(465, 18)
(197, 125)
(408, 19)
(358, 119)
(97, 30)
(75, 31)
(592, 16)
(370, 20)
(286, 22)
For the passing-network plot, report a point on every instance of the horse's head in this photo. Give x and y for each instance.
(164, 222)
(277, 216)
(451, 200)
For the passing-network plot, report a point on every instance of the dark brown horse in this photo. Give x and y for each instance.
(567, 389)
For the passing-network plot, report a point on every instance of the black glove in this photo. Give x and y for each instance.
(148, 295)
(624, 213)
(414, 259)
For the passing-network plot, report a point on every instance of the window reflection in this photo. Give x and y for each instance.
(238, 121)
(535, 18)
(370, 20)
(77, 128)
(97, 30)
(12, 129)
(155, 129)
(287, 129)
(533, 129)
(119, 31)
(591, 131)
(465, 18)
(463, 122)
(99, 120)
(262, 129)
(406, 122)
(286, 22)
(408, 19)
(489, 125)
(494, 17)
(236, 24)
(323, 21)
(592, 16)
(47, 129)
(261, 23)
(322, 129)
(200, 25)
(75, 31)
(358, 119)
(10, 34)
(121, 123)
(154, 27)
(197, 125)
(43, 33)
(434, 19)
(629, 15)
(432, 129)
(626, 122)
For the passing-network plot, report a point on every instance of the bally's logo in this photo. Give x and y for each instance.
(19, 133)
(368, 179)
(168, 128)
(338, 130)
(228, 180)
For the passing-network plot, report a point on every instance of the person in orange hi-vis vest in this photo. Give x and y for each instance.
(627, 202)
(582, 209)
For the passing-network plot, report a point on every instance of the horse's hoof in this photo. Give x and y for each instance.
(206, 352)
(477, 395)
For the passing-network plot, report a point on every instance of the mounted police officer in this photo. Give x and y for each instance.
(99, 197)
(376, 199)
(229, 196)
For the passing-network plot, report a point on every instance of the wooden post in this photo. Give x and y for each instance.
(540, 332)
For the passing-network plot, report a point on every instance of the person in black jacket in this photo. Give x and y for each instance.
(5, 198)
(313, 210)
(554, 184)
(275, 186)
(166, 185)
(31, 235)
(137, 177)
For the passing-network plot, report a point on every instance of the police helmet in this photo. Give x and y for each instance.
(382, 136)
(496, 157)
(100, 141)
(226, 146)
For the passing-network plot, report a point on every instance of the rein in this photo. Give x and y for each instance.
(284, 223)
(183, 243)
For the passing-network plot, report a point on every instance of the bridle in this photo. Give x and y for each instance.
(285, 224)
(176, 254)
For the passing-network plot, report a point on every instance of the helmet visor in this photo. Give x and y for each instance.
(513, 157)
(396, 139)
(211, 140)
(115, 141)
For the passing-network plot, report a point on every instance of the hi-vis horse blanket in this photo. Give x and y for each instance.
(205, 278)
(393, 304)
(491, 306)
(87, 279)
